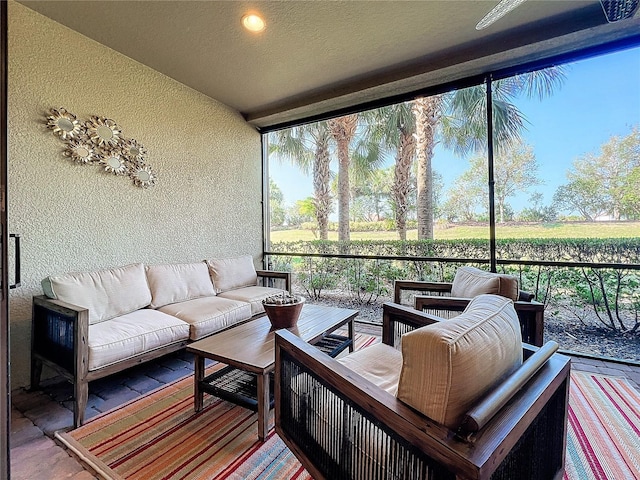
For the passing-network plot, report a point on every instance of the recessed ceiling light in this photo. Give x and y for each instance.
(253, 22)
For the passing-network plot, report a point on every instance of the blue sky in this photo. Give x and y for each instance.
(599, 98)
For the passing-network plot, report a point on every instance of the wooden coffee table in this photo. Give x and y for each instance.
(248, 351)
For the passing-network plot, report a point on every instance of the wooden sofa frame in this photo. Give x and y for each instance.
(59, 340)
(435, 298)
(518, 430)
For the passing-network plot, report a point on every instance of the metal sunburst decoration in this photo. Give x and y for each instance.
(64, 124)
(134, 150)
(80, 152)
(99, 141)
(103, 132)
(113, 162)
(143, 176)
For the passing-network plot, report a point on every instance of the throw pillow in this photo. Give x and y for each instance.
(105, 293)
(178, 282)
(231, 273)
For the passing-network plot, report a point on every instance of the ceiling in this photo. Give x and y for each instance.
(320, 56)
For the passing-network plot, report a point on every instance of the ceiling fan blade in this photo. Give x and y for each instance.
(500, 10)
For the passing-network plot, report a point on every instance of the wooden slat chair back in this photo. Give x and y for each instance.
(435, 298)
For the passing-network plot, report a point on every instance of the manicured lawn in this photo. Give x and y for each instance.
(556, 230)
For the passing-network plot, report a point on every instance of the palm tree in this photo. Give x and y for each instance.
(427, 112)
(307, 146)
(371, 194)
(322, 178)
(461, 119)
(342, 130)
(394, 125)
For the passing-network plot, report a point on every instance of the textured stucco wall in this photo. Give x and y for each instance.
(207, 201)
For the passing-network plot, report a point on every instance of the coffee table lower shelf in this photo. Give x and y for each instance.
(240, 387)
(236, 386)
(333, 344)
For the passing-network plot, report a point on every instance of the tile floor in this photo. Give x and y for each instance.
(37, 415)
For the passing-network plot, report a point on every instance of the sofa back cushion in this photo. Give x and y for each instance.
(231, 273)
(178, 282)
(470, 282)
(448, 366)
(105, 293)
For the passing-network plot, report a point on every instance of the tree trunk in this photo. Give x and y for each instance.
(402, 181)
(321, 180)
(426, 111)
(343, 130)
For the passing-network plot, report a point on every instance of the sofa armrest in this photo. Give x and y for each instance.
(59, 336)
(269, 275)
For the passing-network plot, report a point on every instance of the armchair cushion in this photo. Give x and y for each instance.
(231, 273)
(178, 283)
(379, 363)
(105, 293)
(470, 282)
(448, 366)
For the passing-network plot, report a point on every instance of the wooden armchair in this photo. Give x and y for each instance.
(435, 298)
(342, 426)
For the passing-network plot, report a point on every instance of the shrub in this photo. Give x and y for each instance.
(611, 293)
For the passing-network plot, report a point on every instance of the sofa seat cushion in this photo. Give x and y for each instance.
(470, 282)
(178, 282)
(132, 334)
(231, 273)
(450, 365)
(105, 293)
(252, 295)
(208, 315)
(379, 363)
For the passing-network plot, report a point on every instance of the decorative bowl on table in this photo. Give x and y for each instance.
(283, 309)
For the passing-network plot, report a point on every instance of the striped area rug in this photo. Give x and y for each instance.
(158, 436)
(604, 429)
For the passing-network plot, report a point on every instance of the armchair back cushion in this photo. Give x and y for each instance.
(178, 283)
(470, 282)
(105, 293)
(231, 273)
(450, 365)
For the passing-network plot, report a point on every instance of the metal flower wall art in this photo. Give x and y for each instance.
(99, 141)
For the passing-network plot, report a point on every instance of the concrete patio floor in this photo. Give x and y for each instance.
(37, 415)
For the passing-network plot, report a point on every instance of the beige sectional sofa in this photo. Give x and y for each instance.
(91, 324)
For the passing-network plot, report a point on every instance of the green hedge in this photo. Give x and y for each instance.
(612, 294)
(380, 226)
(615, 250)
